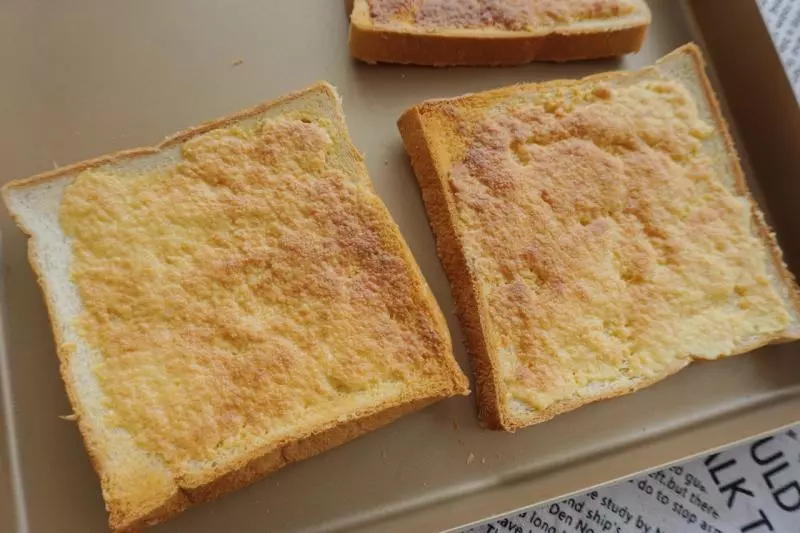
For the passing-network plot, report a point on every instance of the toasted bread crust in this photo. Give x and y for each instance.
(442, 216)
(373, 45)
(129, 518)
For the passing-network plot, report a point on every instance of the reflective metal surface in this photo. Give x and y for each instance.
(86, 77)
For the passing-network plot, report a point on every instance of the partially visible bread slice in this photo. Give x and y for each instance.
(229, 302)
(494, 32)
(598, 235)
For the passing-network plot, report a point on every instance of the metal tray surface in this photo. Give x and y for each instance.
(87, 77)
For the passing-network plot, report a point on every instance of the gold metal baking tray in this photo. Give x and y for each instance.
(86, 77)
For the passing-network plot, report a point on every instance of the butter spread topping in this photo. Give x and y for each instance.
(604, 243)
(515, 15)
(241, 288)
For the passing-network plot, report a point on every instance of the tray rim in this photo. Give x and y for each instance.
(718, 433)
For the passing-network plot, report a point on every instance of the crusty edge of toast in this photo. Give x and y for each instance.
(173, 140)
(276, 455)
(442, 213)
(439, 49)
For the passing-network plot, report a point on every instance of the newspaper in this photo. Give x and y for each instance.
(754, 488)
(783, 20)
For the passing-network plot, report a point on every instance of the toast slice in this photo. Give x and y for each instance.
(494, 32)
(598, 235)
(228, 302)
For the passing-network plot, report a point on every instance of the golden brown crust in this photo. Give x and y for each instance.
(380, 46)
(373, 44)
(441, 213)
(124, 518)
(267, 463)
(427, 164)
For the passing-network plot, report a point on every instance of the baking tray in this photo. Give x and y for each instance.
(83, 78)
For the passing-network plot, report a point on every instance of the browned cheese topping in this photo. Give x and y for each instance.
(604, 243)
(242, 288)
(516, 15)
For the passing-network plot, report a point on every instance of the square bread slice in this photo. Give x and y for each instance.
(494, 32)
(228, 302)
(598, 235)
